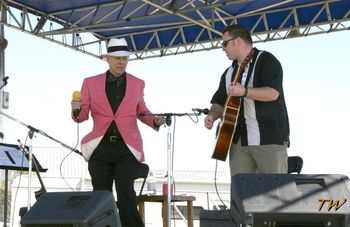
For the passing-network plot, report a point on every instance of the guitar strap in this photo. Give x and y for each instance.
(231, 72)
(251, 70)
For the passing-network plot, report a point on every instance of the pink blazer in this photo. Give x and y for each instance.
(95, 101)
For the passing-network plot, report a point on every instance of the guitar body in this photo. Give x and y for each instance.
(227, 128)
(230, 116)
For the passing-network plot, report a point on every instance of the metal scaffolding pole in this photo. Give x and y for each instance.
(3, 45)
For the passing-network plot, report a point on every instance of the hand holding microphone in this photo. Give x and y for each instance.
(76, 104)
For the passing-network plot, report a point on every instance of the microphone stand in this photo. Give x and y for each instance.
(168, 121)
(31, 132)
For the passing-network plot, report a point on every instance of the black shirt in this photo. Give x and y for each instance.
(263, 122)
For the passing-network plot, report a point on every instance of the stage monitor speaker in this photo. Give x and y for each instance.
(73, 209)
(214, 218)
(281, 200)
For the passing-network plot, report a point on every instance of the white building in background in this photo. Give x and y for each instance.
(70, 174)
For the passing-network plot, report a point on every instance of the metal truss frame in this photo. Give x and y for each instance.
(87, 31)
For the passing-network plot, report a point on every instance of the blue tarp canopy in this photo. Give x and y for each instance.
(156, 28)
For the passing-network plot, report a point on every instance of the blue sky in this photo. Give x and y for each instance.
(43, 75)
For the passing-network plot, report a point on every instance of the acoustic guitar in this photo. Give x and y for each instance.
(230, 116)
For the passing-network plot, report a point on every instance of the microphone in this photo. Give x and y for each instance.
(76, 97)
(204, 111)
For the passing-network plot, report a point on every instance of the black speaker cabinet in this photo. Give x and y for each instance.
(216, 218)
(282, 200)
(73, 209)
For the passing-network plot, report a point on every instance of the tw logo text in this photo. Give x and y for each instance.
(330, 204)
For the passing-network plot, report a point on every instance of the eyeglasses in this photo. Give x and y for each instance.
(225, 42)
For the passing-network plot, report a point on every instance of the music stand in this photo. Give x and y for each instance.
(31, 132)
(13, 158)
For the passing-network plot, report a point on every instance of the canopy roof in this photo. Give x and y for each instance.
(156, 28)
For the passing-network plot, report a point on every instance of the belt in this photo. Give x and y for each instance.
(113, 138)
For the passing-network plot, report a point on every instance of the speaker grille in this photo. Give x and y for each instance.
(73, 209)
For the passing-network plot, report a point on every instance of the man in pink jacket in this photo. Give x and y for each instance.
(113, 148)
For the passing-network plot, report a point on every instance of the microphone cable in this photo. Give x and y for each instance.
(74, 148)
(216, 186)
(232, 217)
(236, 224)
(216, 170)
(195, 114)
(75, 96)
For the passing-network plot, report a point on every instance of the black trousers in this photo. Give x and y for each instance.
(112, 161)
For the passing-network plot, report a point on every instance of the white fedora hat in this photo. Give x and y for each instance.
(117, 47)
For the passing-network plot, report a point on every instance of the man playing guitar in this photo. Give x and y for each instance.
(250, 100)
